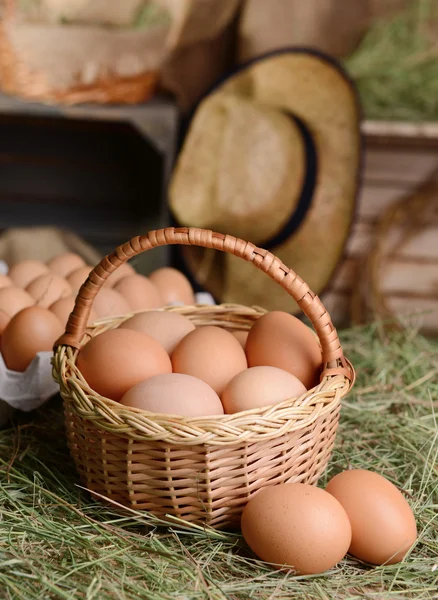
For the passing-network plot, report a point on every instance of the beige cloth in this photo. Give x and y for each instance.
(192, 69)
(332, 26)
(116, 12)
(43, 243)
(187, 49)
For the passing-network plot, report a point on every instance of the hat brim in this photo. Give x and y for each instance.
(314, 89)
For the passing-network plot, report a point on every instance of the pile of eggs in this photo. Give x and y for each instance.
(36, 300)
(162, 363)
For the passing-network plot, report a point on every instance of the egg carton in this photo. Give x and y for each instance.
(29, 390)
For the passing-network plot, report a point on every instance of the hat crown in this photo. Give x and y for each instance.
(249, 169)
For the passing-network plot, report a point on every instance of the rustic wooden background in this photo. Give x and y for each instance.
(398, 159)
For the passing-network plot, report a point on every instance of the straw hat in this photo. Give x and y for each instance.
(272, 155)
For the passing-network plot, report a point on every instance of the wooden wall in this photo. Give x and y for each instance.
(398, 158)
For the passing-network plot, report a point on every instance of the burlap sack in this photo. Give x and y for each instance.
(57, 50)
(332, 26)
(43, 243)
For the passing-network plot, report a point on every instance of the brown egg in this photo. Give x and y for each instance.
(211, 354)
(298, 526)
(78, 277)
(173, 286)
(109, 303)
(139, 292)
(64, 306)
(168, 328)
(116, 360)
(382, 523)
(14, 299)
(241, 337)
(5, 281)
(64, 264)
(260, 386)
(27, 271)
(47, 289)
(174, 394)
(32, 330)
(120, 273)
(4, 320)
(281, 340)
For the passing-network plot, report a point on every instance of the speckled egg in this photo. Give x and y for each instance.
(382, 522)
(298, 526)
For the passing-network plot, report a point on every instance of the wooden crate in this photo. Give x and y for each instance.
(100, 171)
(399, 158)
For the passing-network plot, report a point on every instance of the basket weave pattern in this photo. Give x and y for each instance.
(201, 469)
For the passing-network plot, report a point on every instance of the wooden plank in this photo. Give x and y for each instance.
(374, 199)
(338, 307)
(360, 239)
(424, 246)
(399, 167)
(401, 134)
(345, 275)
(399, 158)
(421, 313)
(397, 277)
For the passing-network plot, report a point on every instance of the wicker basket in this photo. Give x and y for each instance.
(203, 469)
(18, 79)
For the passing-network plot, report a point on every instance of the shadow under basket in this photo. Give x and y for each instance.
(205, 469)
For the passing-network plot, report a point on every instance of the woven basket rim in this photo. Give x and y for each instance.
(251, 425)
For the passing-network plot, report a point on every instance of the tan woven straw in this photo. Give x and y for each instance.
(271, 155)
(201, 469)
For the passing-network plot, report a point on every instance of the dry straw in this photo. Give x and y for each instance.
(202, 470)
(396, 65)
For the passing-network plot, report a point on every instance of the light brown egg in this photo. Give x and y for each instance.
(109, 303)
(241, 337)
(382, 522)
(173, 286)
(4, 320)
(5, 281)
(120, 273)
(66, 263)
(139, 292)
(78, 277)
(211, 354)
(64, 306)
(168, 328)
(260, 386)
(116, 360)
(295, 525)
(174, 394)
(281, 340)
(13, 299)
(23, 273)
(47, 289)
(32, 330)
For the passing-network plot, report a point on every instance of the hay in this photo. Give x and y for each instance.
(57, 543)
(396, 66)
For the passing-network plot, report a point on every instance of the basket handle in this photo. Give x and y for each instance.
(332, 354)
